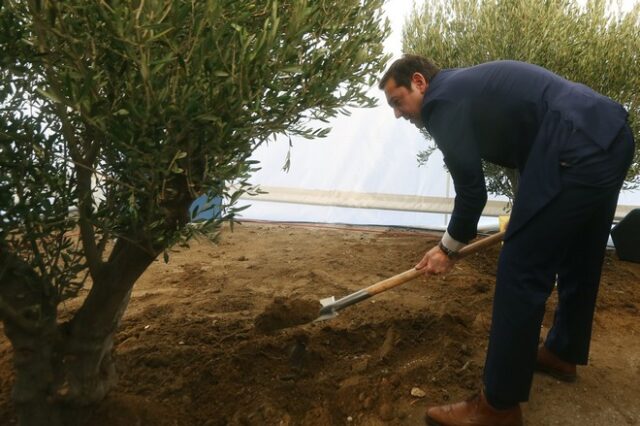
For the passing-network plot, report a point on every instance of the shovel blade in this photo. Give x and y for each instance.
(328, 309)
(327, 316)
(327, 301)
(331, 306)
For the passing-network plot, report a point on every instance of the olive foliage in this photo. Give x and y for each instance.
(130, 110)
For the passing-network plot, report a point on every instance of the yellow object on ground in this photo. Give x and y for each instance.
(503, 221)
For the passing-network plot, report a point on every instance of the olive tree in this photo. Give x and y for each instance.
(114, 116)
(595, 43)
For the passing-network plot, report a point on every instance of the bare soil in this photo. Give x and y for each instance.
(221, 336)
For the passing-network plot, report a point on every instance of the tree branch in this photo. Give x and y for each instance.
(82, 163)
(87, 233)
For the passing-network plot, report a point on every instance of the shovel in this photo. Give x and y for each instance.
(331, 306)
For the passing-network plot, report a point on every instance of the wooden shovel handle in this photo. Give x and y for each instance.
(412, 273)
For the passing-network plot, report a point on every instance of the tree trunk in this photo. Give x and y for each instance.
(34, 363)
(88, 363)
(59, 378)
(89, 369)
(63, 370)
(33, 333)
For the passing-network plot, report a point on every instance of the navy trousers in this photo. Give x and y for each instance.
(565, 243)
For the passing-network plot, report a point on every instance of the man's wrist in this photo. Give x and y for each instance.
(451, 243)
(447, 251)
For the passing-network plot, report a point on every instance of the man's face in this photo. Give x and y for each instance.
(407, 103)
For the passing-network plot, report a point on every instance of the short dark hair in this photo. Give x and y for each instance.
(402, 69)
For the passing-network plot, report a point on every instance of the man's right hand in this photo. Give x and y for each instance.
(435, 262)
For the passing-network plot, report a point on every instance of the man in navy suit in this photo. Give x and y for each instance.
(572, 148)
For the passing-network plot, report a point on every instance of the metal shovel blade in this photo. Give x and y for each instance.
(331, 306)
(327, 311)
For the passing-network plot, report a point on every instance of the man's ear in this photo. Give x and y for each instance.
(420, 82)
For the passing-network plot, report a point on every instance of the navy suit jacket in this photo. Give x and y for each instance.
(520, 116)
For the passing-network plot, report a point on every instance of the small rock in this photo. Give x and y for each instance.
(349, 419)
(418, 393)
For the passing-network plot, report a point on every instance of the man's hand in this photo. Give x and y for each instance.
(435, 262)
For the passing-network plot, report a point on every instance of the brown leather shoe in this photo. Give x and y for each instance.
(475, 411)
(549, 363)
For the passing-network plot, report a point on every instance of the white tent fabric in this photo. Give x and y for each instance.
(348, 178)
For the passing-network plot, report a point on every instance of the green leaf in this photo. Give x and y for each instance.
(210, 117)
(292, 69)
(51, 96)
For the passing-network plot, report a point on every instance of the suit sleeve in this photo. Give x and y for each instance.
(450, 124)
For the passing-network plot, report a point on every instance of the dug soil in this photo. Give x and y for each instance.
(221, 336)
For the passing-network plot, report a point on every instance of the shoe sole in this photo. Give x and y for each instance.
(563, 377)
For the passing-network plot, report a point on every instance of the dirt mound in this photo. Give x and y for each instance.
(285, 313)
